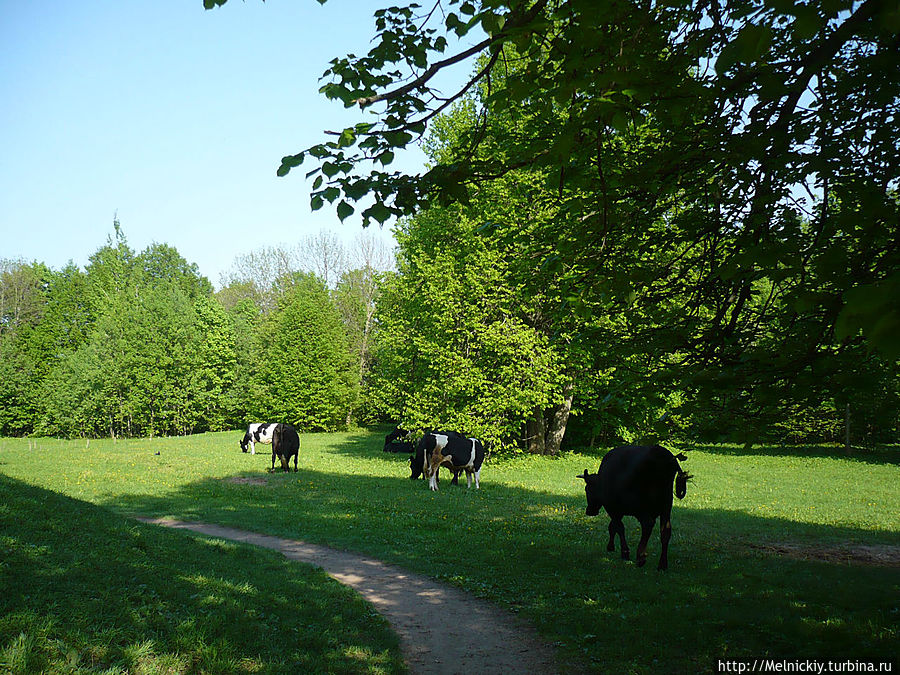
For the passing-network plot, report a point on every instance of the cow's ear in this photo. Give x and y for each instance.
(584, 477)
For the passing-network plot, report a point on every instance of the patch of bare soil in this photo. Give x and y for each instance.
(882, 555)
(442, 629)
(244, 480)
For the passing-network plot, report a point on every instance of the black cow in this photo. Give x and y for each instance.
(453, 451)
(285, 444)
(636, 480)
(398, 441)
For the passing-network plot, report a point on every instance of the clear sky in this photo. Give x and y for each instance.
(174, 117)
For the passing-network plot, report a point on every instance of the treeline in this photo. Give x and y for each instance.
(477, 329)
(139, 344)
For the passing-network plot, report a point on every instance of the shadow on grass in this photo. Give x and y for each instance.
(536, 552)
(364, 443)
(85, 588)
(886, 455)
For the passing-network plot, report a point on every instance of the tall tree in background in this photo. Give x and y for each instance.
(453, 350)
(304, 368)
(23, 302)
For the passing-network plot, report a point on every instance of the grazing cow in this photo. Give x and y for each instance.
(285, 444)
(636, 480)
(417, 461)
(454, 452)
(398, 441)
(257, 433)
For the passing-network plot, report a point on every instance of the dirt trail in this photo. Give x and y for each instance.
(442, 629)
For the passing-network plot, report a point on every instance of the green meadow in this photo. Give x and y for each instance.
(88, 589)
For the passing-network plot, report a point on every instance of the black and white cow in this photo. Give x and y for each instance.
(455, 452)
(285, 444)
(398, 441)
(257, 433)
(636, 480)
(417, 461)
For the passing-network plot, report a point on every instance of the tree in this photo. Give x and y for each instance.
(324, 255)
(304, 372)
(355, 297)
(452, 351)
(23, 303)
(22, 295)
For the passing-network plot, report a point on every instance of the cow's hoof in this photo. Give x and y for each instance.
(610, 548)
(661, 567)
(640, 562)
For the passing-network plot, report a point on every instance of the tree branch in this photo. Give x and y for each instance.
(462, 56)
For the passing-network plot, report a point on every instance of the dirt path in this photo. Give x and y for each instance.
(442, 629)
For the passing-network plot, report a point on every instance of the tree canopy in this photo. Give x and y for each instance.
(766, 130)
(715, 178)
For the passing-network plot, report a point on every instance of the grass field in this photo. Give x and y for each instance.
(522, 541)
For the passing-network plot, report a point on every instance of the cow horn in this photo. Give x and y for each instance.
(584, 476)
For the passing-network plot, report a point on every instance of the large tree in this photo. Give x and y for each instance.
(750, 102)
(724, 172)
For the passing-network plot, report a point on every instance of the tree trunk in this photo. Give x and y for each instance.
(558, 421)
(847, 446)
(535, 430)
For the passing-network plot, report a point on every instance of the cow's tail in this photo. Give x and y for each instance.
(682, 477)
(276, 437)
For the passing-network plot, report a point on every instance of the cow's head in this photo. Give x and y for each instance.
(416, 465)
(592, 491)
(244, 442)
(681, 481)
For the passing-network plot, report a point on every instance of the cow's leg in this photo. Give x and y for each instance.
(617, 526)
(432, 473)
(273, 458)
(253, 449)
(646, 530)
(468, 478)
(295, 462)
(478, 479)
(613, 529)
(455, 480)
(665, 533)
(434, 468)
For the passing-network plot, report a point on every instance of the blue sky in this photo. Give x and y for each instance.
(174, 117)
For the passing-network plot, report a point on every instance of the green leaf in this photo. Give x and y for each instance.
(344, 210)
(347, 138)
(378, 211)
(808, 22)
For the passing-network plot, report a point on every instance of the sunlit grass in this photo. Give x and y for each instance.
(523, 540)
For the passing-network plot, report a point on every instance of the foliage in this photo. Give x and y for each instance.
(138, 344)
(304, 362)
(453, 351)
(719, 179)
(509, 541)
